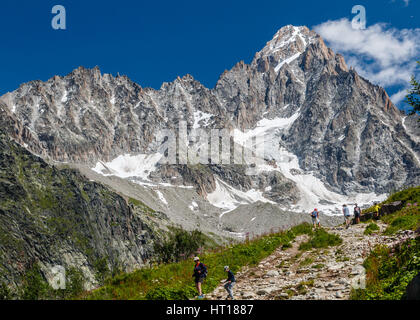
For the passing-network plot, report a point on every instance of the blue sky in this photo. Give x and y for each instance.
(155, 41)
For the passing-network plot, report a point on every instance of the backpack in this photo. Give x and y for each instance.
(205, 271)
(314, 214)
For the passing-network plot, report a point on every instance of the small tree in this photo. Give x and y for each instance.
(178, 245)
(413, 97)
(35, 287)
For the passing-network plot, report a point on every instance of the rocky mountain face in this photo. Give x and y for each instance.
(328, 133)
(56, 217)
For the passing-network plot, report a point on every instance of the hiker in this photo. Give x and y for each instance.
(229, 283)
(376, 208)
(357, 213)
(315, 218)
(200, 272)
(346, 213)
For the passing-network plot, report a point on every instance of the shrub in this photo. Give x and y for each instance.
(178, 245)
(409, 195)
(406, 219)
(304, 228)
(167, 293)
(101, 269)
(74, 282)
(306, 261)
(34, 285)
(389, 270)
(321, 239)
(371, 228)
(286, 246)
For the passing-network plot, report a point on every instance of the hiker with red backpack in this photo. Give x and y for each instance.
(200, 273)
(315, 218)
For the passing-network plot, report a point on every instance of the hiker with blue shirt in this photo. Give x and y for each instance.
(200, 273)
(315, 218)
(346, 213)
(229, 282)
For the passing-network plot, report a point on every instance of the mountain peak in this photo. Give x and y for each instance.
(288, 43)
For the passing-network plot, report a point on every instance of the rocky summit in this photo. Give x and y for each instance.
(330, 136)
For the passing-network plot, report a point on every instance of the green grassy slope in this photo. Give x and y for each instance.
(389, 270)
(174, 280)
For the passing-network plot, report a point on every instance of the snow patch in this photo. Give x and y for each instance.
(126, 166)
(200, 116)
(64, 97)
(288, 61)
(228, 198)
(263, 127)
(312, 190)
(161, 197)
(193, 206)
(165, 184)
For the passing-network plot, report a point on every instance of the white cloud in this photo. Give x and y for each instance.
(399, 96)
(384, 55)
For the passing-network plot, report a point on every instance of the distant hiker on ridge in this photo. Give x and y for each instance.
(346, 213)
(376, 208)
(230, 282)
(357, 212)
(315, 218)
(200, 272)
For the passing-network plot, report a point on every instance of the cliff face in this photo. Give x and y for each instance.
(56, 216)
(328, 133)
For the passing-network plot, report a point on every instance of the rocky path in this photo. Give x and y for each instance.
(317, 274)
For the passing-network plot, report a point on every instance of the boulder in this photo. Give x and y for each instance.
(272, 273)
(247, 295)
(391, 208)
(262, 292)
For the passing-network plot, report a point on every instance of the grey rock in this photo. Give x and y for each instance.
(262, 292)
(272, 273)
(247, 295)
